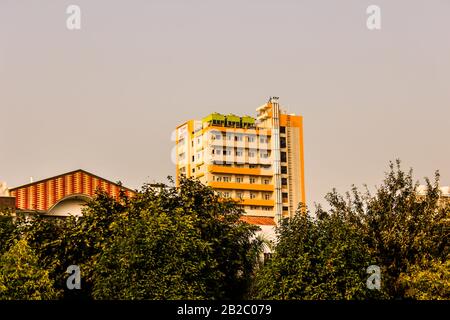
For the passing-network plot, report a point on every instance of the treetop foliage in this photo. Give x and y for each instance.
(186, 242)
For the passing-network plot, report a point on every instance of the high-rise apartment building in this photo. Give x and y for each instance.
(256, 161)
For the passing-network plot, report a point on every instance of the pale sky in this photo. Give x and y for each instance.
(107, 97)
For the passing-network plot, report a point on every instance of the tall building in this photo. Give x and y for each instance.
(256, 161)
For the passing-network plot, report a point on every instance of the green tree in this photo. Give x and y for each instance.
(396, 229)
(7, 231)
(428, 281)
(21, 277)
(168, 243)
(316, 258)
(404, 228)
(176, 243)
(156, 256)
(52, 241)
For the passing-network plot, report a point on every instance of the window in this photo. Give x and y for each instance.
(254, 208)
(219, 179)
(240, 195)
(238, 138)
(252, 180)
(239, 153)
(252, 166)
(193, 170)
(263, 140)
(239, 179)
(251, 154)
(282, 129)
(267, 196)
(218, 136)
(266, 208)
(252, 195)
(251, 138)
(266, 181)
(198, 141)
(226, 194)
(226, 179)
(284, 181)
(264, 154)
(283, 169)
(284, 195)
(283, 142)
(193, 158)
(283, 156)
(285, 209)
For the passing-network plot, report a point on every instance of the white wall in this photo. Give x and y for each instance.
(268, 233)
(67, 207)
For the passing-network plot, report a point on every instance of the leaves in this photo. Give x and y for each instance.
(430, 281)
(164, 243)
(186, 243)
(177, 243)
(21, 277)
(326, 257)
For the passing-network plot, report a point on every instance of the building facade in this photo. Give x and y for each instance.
(444, 198)
(258, 162)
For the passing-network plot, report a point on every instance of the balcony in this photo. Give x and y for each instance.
(242, 186)
(243, 171)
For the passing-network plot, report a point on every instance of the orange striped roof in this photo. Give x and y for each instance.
(260, 221)
(42, 195)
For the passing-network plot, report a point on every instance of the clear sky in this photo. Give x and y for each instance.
(107, 97)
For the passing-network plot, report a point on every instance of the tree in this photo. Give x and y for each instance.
(396, 229)
(321, 258)
(403, 228)
(177, 243)
(169, 243)
(52, 240)
(156, 256)
(21, 277)
(7, 231)
(186, 243)
(430, 281)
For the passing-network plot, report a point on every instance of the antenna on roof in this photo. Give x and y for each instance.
(274, 99)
